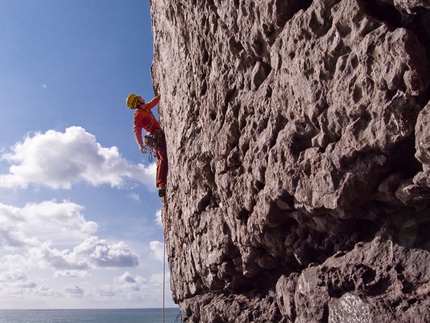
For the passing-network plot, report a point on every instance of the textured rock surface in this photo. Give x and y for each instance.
(299, 148)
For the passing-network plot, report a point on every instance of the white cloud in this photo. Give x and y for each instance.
(158, 220)
(157, 249)
(71, 273)
(58, 160)
(60, 222)
(159, 280)
(74, 290)
(16, 282)
(124, 290)
(134, 196)
(36, 228)
(108, 292)
(51, 218)
(13, 276)
(129, 283)
(90, 254)
(127, 278)
(13, 262)
(100, 253)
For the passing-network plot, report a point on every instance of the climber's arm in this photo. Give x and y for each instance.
(153, 102)
(138, 135)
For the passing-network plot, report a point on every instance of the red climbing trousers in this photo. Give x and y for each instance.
(161, 154)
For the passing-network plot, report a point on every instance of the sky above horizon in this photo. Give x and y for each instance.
(79, 214)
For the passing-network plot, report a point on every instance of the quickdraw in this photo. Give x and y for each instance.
(152, 143)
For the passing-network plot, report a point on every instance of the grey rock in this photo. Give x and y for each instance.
(349, 308)
(298, 141)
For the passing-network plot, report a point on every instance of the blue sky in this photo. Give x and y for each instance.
(79, 214)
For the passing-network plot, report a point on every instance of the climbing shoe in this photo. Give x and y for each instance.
(162, 191)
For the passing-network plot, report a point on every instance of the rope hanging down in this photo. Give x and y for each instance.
(164, 279)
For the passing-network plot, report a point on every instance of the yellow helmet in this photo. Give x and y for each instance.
(132, 101)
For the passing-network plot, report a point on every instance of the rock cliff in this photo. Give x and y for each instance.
(298, 136)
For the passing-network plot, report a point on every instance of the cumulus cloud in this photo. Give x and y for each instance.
(108, 292)
(128, 282)
(127, 278)
(57, 221)
(100, 253)
(13, 276)
(13, 262)
(37, 228)
(74, 290)
(157, 249)
(15, 282)
(92, 253)
(125, 290)
(58, 160)
(71, 273)
(158, 219)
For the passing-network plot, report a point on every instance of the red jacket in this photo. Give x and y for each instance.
(144, 119)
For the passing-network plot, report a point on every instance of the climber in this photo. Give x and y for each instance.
(144, 119)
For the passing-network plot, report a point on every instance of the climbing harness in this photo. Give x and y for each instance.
(153, 140)
(152, 143)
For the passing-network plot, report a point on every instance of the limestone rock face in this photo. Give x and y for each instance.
(298, 138)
